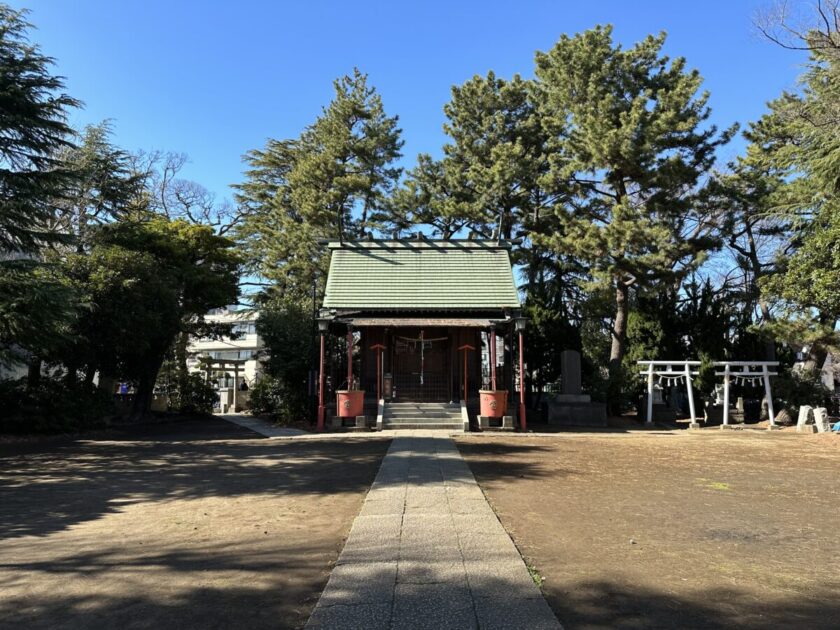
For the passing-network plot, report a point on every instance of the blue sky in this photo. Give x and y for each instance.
(215, 79)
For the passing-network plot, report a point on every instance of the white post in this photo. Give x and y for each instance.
(726, 394)
(649, 418)
(769, 395)
(690, 391)
(235, 384)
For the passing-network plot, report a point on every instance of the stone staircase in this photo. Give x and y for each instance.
(410, 415)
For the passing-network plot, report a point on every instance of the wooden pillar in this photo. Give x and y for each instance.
(523, 423)
(320, 425)
(378, 348)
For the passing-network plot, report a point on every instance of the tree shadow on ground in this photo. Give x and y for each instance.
(605, 604)
(209, 587)
(46, 488)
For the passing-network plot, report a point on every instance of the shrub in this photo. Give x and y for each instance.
(52, 407)
(801, 387)
(272, 397)
(196, 396)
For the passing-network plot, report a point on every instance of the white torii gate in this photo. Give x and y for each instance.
(667, 370)
(750, 371)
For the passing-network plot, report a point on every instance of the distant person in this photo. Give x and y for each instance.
(243, 386)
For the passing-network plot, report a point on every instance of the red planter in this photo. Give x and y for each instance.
(493, 402)
(350, 403)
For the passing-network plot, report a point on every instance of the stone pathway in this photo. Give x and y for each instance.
(427, 551)
(258, 425)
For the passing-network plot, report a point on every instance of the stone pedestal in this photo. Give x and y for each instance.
(571, 407)
(486, 423)
(361, 422)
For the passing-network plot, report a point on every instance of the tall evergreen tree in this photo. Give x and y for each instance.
(332, 182)
(33, 132)
(802, 143)
(633, 149)
(33, 128)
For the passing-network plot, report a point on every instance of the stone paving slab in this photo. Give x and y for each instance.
(428, 552)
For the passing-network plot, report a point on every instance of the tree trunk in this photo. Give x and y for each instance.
(181, 374)
(146, 386)
(770, 344)
(90, 372)
(619, 337)
(33, 372)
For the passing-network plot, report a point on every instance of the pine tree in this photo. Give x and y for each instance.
(488, 180)
(332, 182)
(801, 142)
(633, 146)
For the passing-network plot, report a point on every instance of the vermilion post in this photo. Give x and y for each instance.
(493, 359)
(466, 348)
(379, 348)
(349, 358)
(321, 388)
(523, 424)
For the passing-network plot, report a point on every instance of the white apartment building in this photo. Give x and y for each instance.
(248, 347)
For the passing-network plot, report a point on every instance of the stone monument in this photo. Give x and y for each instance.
(571, 407)
(805, 423)
(821, 420)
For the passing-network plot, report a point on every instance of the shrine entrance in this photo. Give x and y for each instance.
(421, 365)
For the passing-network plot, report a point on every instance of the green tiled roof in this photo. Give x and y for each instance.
(419, 274)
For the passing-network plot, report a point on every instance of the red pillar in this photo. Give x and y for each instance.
(378, 375)
(493, 359)
(349, 358)
(321, 377)
(523, 423)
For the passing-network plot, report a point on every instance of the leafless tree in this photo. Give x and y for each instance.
(179, 198)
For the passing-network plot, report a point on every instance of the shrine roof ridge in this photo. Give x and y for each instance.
(421, 243)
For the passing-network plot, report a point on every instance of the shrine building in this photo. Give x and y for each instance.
(421, 333)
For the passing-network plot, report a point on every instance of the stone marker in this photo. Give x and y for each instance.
(806, 416)
(571, 406)
(805, 424)
(570, 370)
(821, 420)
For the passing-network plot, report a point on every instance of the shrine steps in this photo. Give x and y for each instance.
(412, 415)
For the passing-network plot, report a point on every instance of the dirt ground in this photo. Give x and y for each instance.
(186, 525)
(658, 529)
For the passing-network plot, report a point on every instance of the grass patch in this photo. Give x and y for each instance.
(535, 575)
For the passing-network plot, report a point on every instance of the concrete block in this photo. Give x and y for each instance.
(361, 422)
(693, 425)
